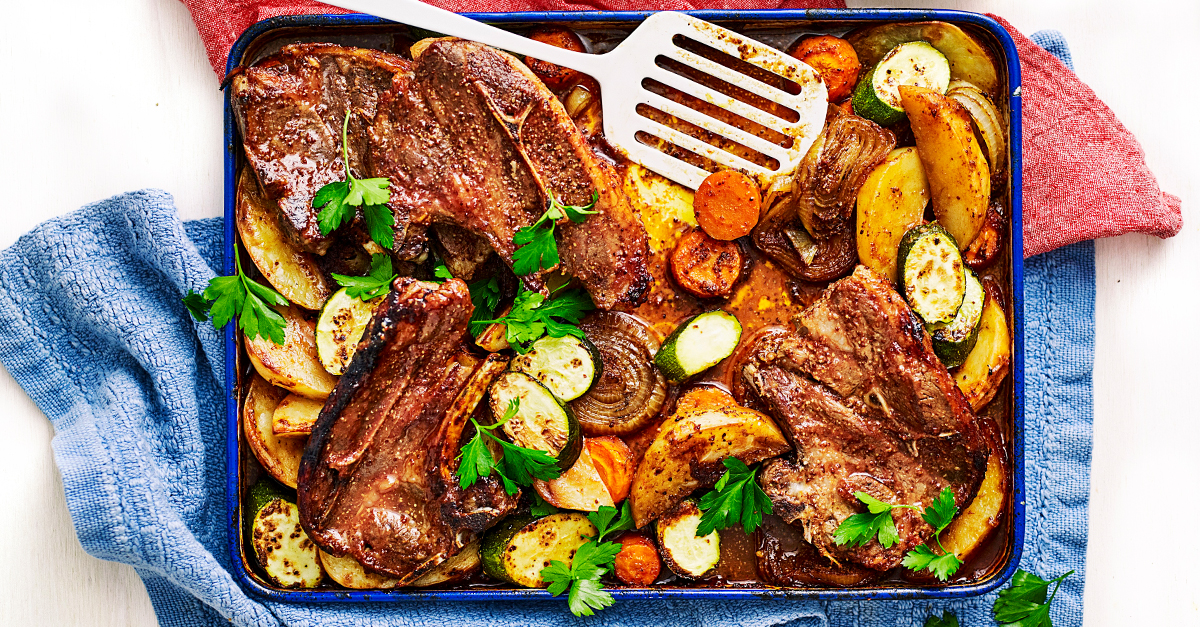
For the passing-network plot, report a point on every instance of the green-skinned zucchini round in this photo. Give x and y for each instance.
(519, 547)
(953, 342)
(685, 553)
(568, 366)
(282, 549)
(931, 273)
(341, 325)
(542, 421)
(877, 96)
(698, 344)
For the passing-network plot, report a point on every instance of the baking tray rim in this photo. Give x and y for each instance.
(1011, 65)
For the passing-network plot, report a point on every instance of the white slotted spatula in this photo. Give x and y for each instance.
(622, 71)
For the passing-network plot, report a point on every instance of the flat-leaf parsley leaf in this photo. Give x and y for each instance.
(240, 296)
(517, 466)
(337, 201)
(537, 247)
(533, 315)
(1024, 603)
(736, 497)
(377, 282)
(594, 558)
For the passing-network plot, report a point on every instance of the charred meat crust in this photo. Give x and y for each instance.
(868, 407)
(376, 480)
(289, 108)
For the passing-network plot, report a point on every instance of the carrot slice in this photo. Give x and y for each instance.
(706, 267)
(637, 564)
(834, 59)
(614, 462)
(727, 204)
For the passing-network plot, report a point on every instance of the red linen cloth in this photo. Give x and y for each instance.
(1085, 175)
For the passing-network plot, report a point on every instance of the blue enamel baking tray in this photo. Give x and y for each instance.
(341, 28)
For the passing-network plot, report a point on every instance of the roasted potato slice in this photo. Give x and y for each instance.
(890, 202)
(348, 573)
(972, 527)
(288, 269)
(295, 416)
(698, 440)
(664, 205)
(959, 179)
(581, 487)
(986, 366)
(293, 366)
(969, 59)
(279, 456)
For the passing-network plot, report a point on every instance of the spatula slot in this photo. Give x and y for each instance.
(676, 152)
(713, 111)
(708, 137)
(728, 89)
(740, 66)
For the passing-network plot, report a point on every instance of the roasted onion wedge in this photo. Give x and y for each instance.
(630, 391)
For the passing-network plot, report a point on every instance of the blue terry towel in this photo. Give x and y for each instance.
(92, 327)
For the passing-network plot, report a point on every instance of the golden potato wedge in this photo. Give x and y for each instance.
(348, 573)
(295, 416)
(972, 526)
(293, 366)
(279, 456)
(464, 564)
(291, 271)
(959, 179)
(986, 366)
(580, 487)
(890, 202)
(665, 206)
(700, 439)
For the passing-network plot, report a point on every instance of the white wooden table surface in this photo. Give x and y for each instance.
(98, 98)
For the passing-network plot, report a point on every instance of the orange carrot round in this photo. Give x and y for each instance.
(706, 267)
(727, 205)
(637, 564)
(834, 59)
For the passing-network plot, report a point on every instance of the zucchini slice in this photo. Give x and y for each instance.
(954, 341)
(285, 552)
(931, 273)
(917, 63)
(341, 325)
(519, 548)
(568, 366)
(698, 344)
(685, 553)
(542, 422)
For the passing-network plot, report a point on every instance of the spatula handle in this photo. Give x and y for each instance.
(421, 15)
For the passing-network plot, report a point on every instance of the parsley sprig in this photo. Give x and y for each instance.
(517, 466)
(377, 282)
(877, 522)
(485, 296)
(736, 497)
(538, 249)
(594, 558)
(1024, 603)
(239, 295)
(337, 201)
(534, 315)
